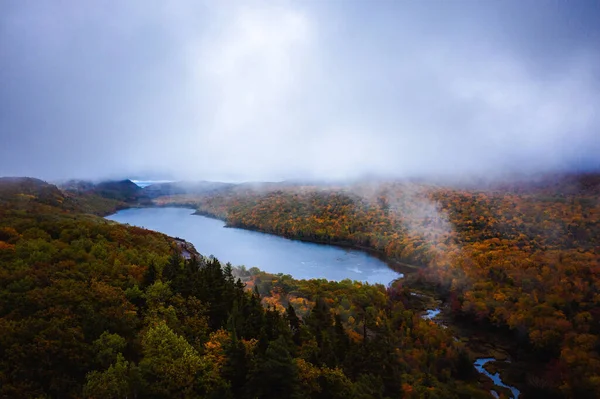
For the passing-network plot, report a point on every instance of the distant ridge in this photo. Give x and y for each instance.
(30, 188)
(120, 190)
(184, 187)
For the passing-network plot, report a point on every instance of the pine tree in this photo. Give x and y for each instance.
(275, 375)
(150, 275)
(319, 320)
(173, 267)
(294, 323)
(341, 339)
(236, 367)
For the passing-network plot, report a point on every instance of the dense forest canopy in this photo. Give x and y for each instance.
(522, 256)
(92, 308)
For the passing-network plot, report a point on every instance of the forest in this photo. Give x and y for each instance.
(520, 257)
(91, 308)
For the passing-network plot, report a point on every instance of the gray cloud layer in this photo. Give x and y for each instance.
(274, 90)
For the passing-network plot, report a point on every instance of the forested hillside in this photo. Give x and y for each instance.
(91, 308)
(522, 256)
(105, 197)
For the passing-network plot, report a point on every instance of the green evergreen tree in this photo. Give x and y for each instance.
(253, 315)
(319, 320)
(236, 366)
(294, 323)
(341, 339)
(150, 275)
(275, 374)
(173, 267)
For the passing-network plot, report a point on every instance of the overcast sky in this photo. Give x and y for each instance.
(287, 89)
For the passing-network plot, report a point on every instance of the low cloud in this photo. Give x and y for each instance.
(268, 91)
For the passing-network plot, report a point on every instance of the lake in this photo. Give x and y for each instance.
(270, 253)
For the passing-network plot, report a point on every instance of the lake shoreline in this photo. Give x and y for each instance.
(395, 265)
(491, 347)
(270, 252)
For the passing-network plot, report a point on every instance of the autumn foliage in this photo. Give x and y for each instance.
(523, 256)
(91, 308)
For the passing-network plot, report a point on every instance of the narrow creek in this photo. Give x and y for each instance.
(479, 364)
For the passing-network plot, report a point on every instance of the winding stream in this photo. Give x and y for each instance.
(431, 314)
(479, 366)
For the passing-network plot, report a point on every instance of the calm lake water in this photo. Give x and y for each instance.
(267, 252)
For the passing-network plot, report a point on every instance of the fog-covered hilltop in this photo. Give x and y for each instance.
(122, 190)
(184, 187)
